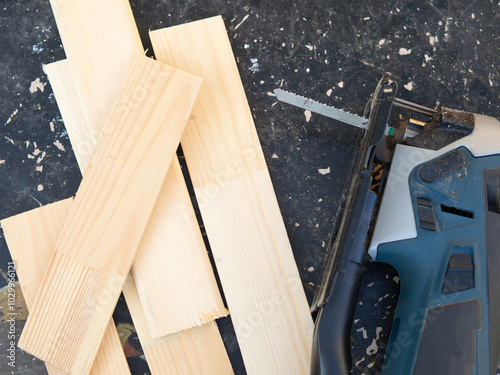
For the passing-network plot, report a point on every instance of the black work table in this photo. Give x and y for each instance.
(439, 51)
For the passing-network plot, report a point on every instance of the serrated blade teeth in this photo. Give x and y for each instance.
(322, 109)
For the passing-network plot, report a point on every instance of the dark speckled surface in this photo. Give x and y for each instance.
(442, 51)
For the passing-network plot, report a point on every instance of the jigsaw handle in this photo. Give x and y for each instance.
(331, 340)
(331, 354)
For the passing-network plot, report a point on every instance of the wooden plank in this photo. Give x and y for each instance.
(238, 205)
(172, 252)
(172, 270)
(99, 240)
(31, 238)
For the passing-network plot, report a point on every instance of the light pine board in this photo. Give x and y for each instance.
(172, 270)
(31, 238)
(99, 240)
(239, 208)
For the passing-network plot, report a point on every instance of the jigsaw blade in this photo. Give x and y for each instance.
(322, 109)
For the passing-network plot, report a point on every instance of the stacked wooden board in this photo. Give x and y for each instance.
(172, 242)
(130, 197)
(172, 252)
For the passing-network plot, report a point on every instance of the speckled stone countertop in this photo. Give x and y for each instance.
(440, 51)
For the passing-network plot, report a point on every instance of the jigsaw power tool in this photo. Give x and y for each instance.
(434, 215)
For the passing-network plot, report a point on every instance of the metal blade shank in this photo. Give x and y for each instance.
(322, 109)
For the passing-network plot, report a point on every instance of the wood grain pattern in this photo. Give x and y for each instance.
(31, 238)
(98, 38)
(238, 205)
(98, 242)
(172, 270)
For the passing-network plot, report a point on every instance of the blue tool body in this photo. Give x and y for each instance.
(446, 321)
